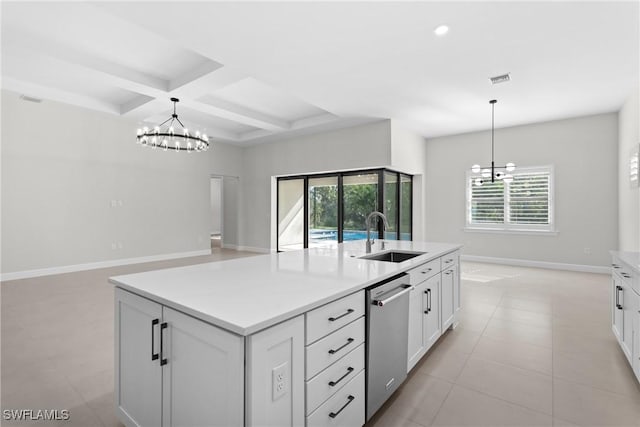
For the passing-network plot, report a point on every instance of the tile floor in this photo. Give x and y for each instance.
(533, 348)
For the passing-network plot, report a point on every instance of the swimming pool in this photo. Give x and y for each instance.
(317, 234)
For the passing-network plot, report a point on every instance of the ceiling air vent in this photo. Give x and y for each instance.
(500, 79)
(30, 99)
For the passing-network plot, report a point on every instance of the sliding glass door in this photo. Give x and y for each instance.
(360, 198)
(320, 210)
(323, 211)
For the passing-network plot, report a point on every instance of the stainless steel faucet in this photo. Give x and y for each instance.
(385, 224)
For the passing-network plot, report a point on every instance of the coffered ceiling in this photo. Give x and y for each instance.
(249, 72)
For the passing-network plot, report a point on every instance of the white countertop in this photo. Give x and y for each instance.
(246, 295)
(632, 259)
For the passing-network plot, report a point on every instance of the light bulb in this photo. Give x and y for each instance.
(139, 132)
(186, 132)
(205, 137)
(475, 168)
(189, 146)
(508, 178)
(145, 129)
(486, 173)
(171, 130)
(177, 145)
(478, 182)
(156, 129)
(511, 167)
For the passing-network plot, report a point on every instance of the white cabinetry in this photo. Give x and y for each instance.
(433, 303)
(275, 375)
(174, 370)
(335, 363)
(625, 311)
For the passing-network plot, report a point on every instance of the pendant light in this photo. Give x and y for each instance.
(170, 138)
(494, 172)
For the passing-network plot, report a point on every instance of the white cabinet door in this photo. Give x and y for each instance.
(616, 308)
(417, 308)
(138, 379)
(431, 297)
(628, 311)
(447, 300)
(275, 375)
(203, 373)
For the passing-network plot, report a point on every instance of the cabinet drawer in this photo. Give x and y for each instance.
(333, 347)
(627, 274)
(330, 317)
(345, 408)
(449, 260)
(423, 272)
(332, 379)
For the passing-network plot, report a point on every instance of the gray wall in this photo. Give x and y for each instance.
(628, 197)
(583, 152)
(409, 154)
(62, 166)
(216, 205)
(356, 147)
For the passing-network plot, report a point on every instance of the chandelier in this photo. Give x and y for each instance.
(494, 172)
(170, 138)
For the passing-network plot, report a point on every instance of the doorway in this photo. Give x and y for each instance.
(216, 213)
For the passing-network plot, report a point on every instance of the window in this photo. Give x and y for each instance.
(524, 204)
(324, 209)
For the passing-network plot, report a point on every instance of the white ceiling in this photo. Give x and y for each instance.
(253, 72)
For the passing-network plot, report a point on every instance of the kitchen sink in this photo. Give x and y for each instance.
(393, 256)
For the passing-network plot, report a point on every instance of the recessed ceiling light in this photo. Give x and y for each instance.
(441, 30)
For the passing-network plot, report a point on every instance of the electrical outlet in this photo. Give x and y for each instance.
(280, 380)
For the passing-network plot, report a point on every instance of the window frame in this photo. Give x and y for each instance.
(380, 172)
(505, 226)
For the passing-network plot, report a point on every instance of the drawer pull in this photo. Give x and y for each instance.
(426, 271)
(349, 341)
(163, 360)
(615, 265)
(333, 383)
(448, 272)
(349, 400)
(447, 261)
(625, 275)
(349, 311)
(154, 356)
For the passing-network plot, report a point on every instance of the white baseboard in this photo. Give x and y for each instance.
(538, 264)
(246, 248)
(100, 264)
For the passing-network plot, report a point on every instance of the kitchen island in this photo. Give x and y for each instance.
(275, 339)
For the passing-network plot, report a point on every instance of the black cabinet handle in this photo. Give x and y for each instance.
(428, 292)
(333, 319)
(615, 265)
(426, 271)
(349, 400)
(154, 322)
(349, 341)
(618, 305)
(333, 383)
(448, 272)
(163, 361)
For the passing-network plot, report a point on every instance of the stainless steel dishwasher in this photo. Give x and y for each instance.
(387, 334)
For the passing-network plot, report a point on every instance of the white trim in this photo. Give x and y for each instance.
(511, 231)
(538, 264)
(248, 248)
(100, 264)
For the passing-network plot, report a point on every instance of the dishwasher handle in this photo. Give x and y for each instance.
(382, 302)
